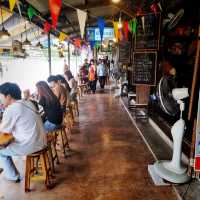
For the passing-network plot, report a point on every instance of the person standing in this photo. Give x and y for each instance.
(92, 76)
(101, 73)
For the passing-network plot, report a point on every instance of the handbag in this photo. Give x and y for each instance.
(5, 139)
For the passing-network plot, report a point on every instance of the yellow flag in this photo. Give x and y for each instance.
(12, 4)
(62, 36)
(116, 31)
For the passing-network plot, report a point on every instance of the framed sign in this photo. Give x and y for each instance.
(93, 34)
(124, 52)
(148, 32)
(144, 68)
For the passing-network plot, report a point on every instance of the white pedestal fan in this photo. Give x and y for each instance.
(173, 171)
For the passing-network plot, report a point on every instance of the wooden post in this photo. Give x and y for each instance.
(195, 77)
(49, 52)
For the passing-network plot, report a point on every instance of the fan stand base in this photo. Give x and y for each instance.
(169, 175)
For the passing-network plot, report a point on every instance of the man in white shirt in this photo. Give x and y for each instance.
(22, 120)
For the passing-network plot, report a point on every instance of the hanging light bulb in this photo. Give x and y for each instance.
(115, 1)
(4, 34)
(26, 42)
(39, 43)
(120, 22)
(114, 39)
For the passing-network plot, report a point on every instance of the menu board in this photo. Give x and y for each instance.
(147, 32)
(144, 68)
(124, 52)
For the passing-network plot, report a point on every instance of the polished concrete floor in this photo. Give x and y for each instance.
(108, 160)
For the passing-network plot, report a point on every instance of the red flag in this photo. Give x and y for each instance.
(55, 7)
(77, 42)
(125, 27)
(47, 27)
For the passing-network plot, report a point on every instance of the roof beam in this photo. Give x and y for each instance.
(89, 5)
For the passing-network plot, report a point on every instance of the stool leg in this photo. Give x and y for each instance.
(51, 157)
(27, 174)
(76, 107)
(44, 161)
(55, 156)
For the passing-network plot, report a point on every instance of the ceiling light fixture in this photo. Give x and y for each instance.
(4, 34)
(39, 43)
(115, 1)
(26, 42)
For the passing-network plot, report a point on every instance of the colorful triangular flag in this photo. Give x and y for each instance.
(101, 25)
(31, 12)
(55, 7)
(82, 16)
(12, 4)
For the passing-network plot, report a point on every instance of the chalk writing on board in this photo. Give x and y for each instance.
(124, 52)
(147, 34)
(144, 68)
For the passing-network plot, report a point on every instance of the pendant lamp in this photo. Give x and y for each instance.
(26, 42)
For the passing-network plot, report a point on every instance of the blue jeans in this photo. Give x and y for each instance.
(48, 126)
(6, 162)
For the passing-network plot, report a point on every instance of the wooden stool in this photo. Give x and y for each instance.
(31, 168)
(51, 142)
(74, 106)
(63, 139)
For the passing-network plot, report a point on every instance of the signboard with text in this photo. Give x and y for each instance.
(93, 34)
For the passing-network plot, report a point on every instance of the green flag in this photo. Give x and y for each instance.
(31, 12)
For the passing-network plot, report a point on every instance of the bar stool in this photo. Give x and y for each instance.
(74, 106)
(31, 167)
(63, 141)
(51, 143)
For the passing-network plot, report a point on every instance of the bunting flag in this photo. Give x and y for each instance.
(18, 6)
(143, 23)
(116, 30)
(97, 45)
(92, 44)
(101, 25)
(12, 4)
(132, 26)
(55, 7)
(154, 7)
(31, 12)
(47, 27)
(77, 42)
(159, 5)
(125, 27)
(82, 16)
(62, 36)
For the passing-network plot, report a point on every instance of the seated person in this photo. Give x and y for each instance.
(63, 82)
(72, 84)
(28, 97)
(53, 114)
(59, 91)
(22, 120)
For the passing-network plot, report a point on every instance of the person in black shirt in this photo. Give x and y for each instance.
(53, 114)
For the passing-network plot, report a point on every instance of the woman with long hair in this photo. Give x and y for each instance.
(53, 114)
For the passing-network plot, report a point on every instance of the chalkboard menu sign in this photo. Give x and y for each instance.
(147, 32)
(144, 68)
(124, 52)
